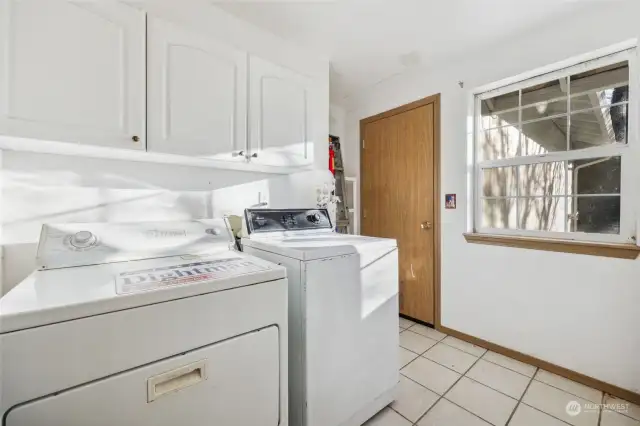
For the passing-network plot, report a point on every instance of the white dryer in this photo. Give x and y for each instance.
(154, 324)
(343, 314)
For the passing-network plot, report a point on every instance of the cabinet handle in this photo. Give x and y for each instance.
(135, 138)
(238, 154)
(254, 155)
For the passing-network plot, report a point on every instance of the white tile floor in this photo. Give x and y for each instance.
(445, 381)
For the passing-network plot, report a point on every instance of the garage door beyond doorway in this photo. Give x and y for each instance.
(400, 193)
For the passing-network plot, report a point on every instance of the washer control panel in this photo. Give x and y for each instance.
(278, 220)
(79, 244)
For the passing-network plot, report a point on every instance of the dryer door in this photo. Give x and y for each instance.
(231, 383)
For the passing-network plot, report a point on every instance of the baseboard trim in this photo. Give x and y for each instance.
(556, 369)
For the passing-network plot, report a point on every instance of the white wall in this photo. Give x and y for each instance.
(579, 312)
(42, 188)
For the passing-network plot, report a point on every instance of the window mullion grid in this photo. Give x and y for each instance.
(519, 152)
(567, 156)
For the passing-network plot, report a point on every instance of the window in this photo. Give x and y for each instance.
(554, 154)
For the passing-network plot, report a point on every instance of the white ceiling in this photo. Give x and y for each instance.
(370, 40)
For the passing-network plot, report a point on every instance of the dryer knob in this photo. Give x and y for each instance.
(83, 239)
(314, 218)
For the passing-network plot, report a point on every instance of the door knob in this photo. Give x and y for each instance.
(135, 138)
(425, 225)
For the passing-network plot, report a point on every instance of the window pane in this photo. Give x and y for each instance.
(495, 111)
(499, 181)
(541, 137)
(594, 176)
(499, 213)
(545, 109)
(594, 215)
(599, 126)
(498, 143)
(600, 87)
(545, 100)
(500, 119)
(542, 179)
(541, 213)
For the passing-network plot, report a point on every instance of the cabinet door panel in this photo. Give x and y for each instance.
(197, 94)
(282, 105)
(74, 72)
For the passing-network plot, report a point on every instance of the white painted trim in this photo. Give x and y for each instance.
(472, 203)
(611, 150)
(541, 72)
(2, 292)
(88, 151)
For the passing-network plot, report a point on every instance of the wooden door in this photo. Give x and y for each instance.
(398, 190)
(283, 108)
(197, 94)
(74, 72)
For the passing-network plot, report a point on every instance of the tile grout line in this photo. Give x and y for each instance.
(567, 392)
(451, 346)
(521, 397)
(625, 414)
(462, 373)
(510, 369)
(399, 413)
(441, 365)
(460, 406)
(442, 396)
(519, 402)
(600, 409)
(420, 334)
(544, 412)
(531, 377)
(487, 386)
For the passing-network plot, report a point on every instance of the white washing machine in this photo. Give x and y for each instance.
(343, 314)
(150, 324)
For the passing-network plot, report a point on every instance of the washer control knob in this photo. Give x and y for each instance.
(314, 218)
(83, 239)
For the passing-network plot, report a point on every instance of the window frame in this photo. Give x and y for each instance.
(629, 152)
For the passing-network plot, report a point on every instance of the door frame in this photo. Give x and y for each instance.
(435, 100)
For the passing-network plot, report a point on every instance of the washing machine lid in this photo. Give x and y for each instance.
(306, 234)
(307, 247)
(67, 293)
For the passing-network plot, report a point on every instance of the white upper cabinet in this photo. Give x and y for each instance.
(73, 71)
(283, 112)
(197, 94)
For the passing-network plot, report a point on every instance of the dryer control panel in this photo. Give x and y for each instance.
(80, 244)
(278, 220)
